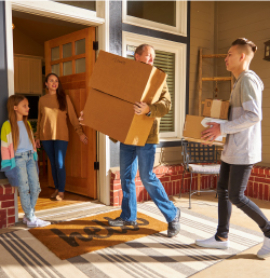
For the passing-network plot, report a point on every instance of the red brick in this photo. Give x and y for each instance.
(266, 192)
(170, 188)
(1, 189)
(177, 187)
(252, 178)
(250, 189)
(8, 190)
(164, 179)
(267, 171)
(7, 197)
(6, 204)
(255, 190)
(116, 185)
(260, 194)
(3, 214)
(115, 201)
(11, 211)
(11, 220)
(176, 177)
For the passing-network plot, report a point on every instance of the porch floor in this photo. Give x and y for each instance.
(244, 264)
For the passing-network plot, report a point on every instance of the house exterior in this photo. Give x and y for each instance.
(177, 29)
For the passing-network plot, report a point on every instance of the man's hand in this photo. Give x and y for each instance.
(141, 108)
(211, 133)
(84, 138)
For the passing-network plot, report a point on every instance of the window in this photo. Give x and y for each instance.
(166, 16)
(88, 5)
(171, 58)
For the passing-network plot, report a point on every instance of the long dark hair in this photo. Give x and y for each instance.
(61, 96)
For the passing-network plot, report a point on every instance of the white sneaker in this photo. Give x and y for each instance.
(264, 252)
(37, 223)
(24, 220)
(213, 243)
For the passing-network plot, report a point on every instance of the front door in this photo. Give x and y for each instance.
(72, 58)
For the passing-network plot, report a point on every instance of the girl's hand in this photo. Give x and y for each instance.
(38, 143)
(84, 138)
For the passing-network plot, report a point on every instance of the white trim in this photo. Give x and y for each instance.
(9, 48)
(180, 70)
(103, 144)
(58, 11)
(181, 20)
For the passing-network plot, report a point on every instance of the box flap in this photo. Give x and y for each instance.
(141, 81)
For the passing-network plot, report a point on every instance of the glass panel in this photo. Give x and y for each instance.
(55, 53)
(80, 47)
(88, 5)
(67, 50)
(80, 65)
(158, 11)
(166, 62)
(56, 69)
(67, 68)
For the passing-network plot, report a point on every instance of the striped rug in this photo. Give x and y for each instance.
(22, 255)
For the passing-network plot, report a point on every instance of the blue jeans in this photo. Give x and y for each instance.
(29, 187)
(56, 151)
(130, 158)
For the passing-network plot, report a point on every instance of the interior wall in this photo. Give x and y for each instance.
(23, 44)
(250, 20)
(202, 30)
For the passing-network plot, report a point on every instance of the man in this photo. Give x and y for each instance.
(133, 156)
(242, 148)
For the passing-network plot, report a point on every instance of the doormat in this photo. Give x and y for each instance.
(77, 237)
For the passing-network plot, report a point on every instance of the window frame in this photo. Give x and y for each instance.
(181, 20)
(180, 51)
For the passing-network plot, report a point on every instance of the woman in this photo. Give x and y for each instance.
(52, 130)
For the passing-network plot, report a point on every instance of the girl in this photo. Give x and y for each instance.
(52, 129)
(19, 158)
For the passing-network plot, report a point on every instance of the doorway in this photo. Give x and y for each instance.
(29, 36)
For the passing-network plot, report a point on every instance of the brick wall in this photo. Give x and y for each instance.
(7, 205)
(171, 177)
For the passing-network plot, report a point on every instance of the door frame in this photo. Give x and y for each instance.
(100, 19)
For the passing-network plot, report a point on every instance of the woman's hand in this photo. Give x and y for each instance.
(81, 118)
(38, 143)
(84, 138)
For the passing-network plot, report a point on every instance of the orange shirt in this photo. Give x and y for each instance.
(52, 122)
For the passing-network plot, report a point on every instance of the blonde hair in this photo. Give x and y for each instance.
(14, 100)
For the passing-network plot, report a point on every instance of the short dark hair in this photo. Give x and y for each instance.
(246, 43)
(139, 50)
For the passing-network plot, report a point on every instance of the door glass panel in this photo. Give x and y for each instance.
(56, 69)
(80, 65)
(67, 68)
(158, 11)
(80, 47)
(55, 53)
(67, 50)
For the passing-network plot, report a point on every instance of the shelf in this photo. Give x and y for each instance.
(215, 56)
(216, 78)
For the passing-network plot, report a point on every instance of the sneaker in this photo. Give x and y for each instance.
(174, 226)
(264, 252)
(213, 243)
(119, 222)
(37, 223)
(24, 220)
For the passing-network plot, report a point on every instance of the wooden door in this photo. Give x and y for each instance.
(72, 58)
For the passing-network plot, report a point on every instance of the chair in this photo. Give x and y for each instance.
(193, 153)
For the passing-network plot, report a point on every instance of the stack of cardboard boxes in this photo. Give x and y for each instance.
(214, 111)
(116, 84)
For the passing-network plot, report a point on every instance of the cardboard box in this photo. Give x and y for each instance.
(216, 108)
(116, 84)
(195, 125)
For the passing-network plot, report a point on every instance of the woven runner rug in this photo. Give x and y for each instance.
(22, 255)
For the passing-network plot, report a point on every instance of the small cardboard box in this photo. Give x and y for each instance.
(216, 108)
(195, 125)
(116, 84)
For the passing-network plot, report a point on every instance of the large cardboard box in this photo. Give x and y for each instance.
(216, 108)
(195, 125)
(116, 84)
